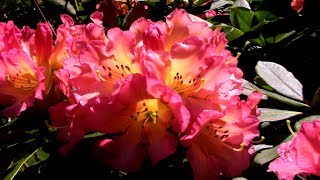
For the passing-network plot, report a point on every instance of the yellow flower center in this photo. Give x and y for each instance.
(186, 86)
(24, 81)
(150, 110)
(114, 70)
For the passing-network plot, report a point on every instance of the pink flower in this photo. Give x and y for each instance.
(21, 79)
(189, 57)
(149, 116)
(178, 26)
(297, 5)
(219, 139)
(301, 155)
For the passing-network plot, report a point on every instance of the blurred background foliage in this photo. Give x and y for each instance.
(261, 30)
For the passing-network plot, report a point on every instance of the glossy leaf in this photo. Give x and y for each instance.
(248, 89)
(232, 33)
(219, 3)
(242, 3)
(242, 18)
(280, 79)
(261, 83)
(268, 114)
(262, 16)
(64, 4)
(260, 41)
(259, 147)
(279, 37)
(280, 97)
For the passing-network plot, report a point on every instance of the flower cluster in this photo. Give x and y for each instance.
(152, 88)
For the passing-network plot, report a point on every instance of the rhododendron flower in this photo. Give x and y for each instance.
(112, 60)
(76, 79)
(149, 116)
(218, 139)
(21, 79)
(151, 85)
(301, 155)
(189, 57)
(297, 5)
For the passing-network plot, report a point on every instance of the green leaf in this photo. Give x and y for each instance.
(16, 169)
(63, 4)
(10, 122)
(242, 18)
(261, 83)
(297, 125)
(242, 3)
(199, 2)
(262, 16)
(38, 157)
(258, 41)
(257, 26)
(316, 100)
(279, 97)
(219, 3)
(268, 155)
(268, 114)
(247, 89)
(232, 33)
(279, 37)
(280, 79)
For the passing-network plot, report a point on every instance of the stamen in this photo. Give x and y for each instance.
(99, 75)
(239, 149)
(190, 88)
(66, 54)
(234, 59)
(262, 138)
(153, 116)
(289, 127)
(8, 77)
(145, 122)
(21, 82)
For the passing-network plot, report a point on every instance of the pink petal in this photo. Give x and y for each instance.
(306, 147)
(126, 153)
(284, 169)
(161, 142)
(43, 44)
